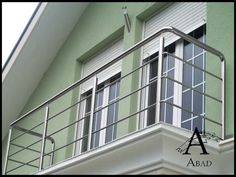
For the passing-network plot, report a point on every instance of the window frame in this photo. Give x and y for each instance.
(81, 111)
(178, 89)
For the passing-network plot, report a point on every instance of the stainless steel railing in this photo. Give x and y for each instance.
(45, 136)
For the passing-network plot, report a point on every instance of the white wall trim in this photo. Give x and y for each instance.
(161, 131)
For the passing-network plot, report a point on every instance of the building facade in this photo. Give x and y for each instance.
(121, 88)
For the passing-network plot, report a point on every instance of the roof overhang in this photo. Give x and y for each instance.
(39, 44)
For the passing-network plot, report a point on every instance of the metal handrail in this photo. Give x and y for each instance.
(27, 147)
(33, 133)
(124, 54)
(118, 58)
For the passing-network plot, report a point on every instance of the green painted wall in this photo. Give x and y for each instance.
(130, 83)
(92, 34)
(220, 35)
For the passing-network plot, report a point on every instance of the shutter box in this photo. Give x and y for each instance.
(100, 60)
(185, 16)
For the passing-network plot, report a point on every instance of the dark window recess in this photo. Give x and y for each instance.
(193, 78)
(167, 88)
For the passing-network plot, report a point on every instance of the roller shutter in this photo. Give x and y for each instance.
(185, 16)
(101, 59)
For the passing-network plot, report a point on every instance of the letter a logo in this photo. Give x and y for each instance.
(200, 143)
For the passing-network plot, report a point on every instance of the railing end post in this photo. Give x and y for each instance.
(7, 151)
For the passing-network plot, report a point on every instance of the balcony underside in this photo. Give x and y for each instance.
(149, 151)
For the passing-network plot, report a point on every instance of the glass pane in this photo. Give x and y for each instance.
(186, 125)
(199, 88)
(112, 112)
(186, 115)
(100, 98)
(98, 121)
(151, 100)
(169, 111)
(162, 111)
(151, 116)
(112, 92)
(171, 62)
(96, 126)
(163, 88)
(188, 50)
(170, 84)
(96, 100)
(187, 80)
(110, 117)
(109, 134)
(197, 102)
(97, 135)
(153, 69)
(115, 125)
(197, 50)
(187, 100)
(88, 104)
(118, 89)
(198, 74)
(152, 93)
(197, 122)
(164, 64)
(85, 132)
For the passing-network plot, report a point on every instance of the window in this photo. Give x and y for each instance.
(195, 78)
(190, 76)
(106, 94)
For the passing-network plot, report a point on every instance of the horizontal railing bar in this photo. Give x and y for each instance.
(181, 59)
(66, 145)
(100, 129)
(197, 42)
(194, 56)
(64, 127)
(146, 63)
(68, 108)
(69, 125)
(195, 86)
(124, 54)
(25, 147)
(191, 112)
(124, 118)
(119, 99)
(191, 88)
(22, 163)
(26, 131)
(33, 133)
(133, 132)
(192, 118)
(127, 52)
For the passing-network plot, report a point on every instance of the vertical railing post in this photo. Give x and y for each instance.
(44, 138)
(159, 73)
(91, 113)
(7, 151)
(52, 154)
(223, 97)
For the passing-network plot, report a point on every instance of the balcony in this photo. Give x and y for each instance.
(48, 146)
